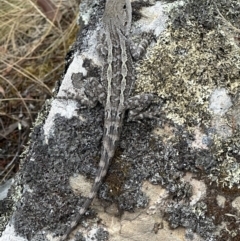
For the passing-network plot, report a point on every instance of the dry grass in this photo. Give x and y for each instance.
(35, 37)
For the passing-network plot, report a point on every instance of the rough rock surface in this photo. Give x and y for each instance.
(174, 178)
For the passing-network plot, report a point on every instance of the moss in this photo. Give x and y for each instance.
(117, 177)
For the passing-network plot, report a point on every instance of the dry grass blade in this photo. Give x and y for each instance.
(27, 74)
(18, 94)
(35, 35)
(48, 9)
(225, 20)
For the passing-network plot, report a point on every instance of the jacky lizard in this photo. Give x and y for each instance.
(114, 88)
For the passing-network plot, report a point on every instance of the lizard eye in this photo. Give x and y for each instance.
(124, 6)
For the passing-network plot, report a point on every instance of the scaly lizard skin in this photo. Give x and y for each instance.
(114, 88)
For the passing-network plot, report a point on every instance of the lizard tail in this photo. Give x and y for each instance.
(109, 146)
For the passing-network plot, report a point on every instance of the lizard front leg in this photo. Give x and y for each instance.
(89, 93)
(138, 103)
(138, 50)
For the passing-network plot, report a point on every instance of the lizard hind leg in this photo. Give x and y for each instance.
(138, 105)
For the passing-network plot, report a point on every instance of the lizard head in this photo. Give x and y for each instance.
(118, 13)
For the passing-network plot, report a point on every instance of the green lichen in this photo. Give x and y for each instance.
(231, 172)
(227, 173)
(198, 53)
(186, 65)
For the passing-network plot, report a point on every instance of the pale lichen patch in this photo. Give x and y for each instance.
(236, 205)
(183, 70)
(167, 132)
(198, 143)
(220, 101)
(199, 189)
(221, 201)
(80, 185)
(230, 172)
